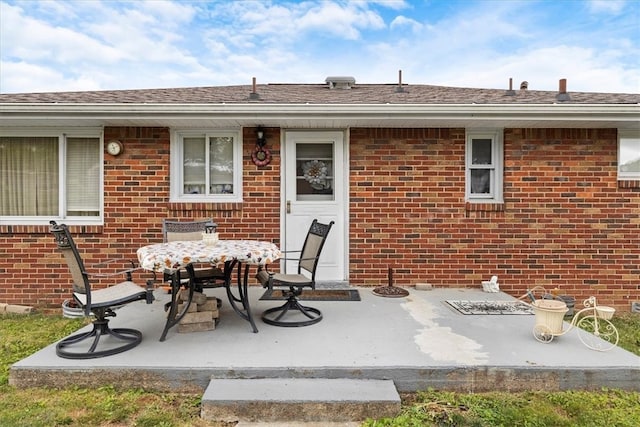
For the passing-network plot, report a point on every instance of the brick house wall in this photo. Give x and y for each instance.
(566, 221)
(136, 195)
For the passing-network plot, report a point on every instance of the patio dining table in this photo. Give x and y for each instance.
(171, 256)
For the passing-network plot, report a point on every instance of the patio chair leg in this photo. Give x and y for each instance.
(128, 338)
(292, 303)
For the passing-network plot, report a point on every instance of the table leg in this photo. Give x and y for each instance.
(173, 318)
(243, 295)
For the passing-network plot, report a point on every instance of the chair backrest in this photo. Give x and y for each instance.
(310, 254)
(185, 230)
(68, 248)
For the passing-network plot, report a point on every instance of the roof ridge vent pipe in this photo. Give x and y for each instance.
(562, 91)
(254, 94)
(340, 82)
(399, 89)
(510, 92)
(524, 85)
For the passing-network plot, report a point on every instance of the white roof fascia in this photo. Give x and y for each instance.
(627, 113)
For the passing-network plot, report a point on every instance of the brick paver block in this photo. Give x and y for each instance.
(18, 309)
(196, 327)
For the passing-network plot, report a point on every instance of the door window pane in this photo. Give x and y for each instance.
(314, 172)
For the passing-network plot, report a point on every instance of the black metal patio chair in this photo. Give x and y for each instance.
(294, 284)
(101, 340)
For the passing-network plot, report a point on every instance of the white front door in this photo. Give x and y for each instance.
(314, 187)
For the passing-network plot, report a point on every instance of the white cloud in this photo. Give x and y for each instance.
(110, 45)
(606, 6)
(26, 77)
(390, 4)
(402, 22)
(543, 68)
(33, 40)
(484, 47)
(288, 23)
(344, 21)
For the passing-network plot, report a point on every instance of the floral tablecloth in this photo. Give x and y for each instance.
(173, 255)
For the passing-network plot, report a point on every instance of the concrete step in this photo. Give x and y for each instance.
(299, 400)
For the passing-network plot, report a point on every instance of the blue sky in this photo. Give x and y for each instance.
(80, 45)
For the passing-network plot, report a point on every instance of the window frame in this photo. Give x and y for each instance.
(62, 134)
(633, 136)
(496, 167)
(177, 160)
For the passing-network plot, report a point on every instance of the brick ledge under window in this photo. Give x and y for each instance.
(44, 229)
(631, 183)
(195, 210)
(484, 207)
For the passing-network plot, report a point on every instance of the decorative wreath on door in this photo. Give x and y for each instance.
(315, 173)
(261, 156)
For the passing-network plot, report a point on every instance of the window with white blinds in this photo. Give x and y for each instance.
(49, 175)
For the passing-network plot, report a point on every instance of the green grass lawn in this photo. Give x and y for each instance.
(22, 335)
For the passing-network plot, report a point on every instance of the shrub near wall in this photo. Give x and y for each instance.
(565, 223)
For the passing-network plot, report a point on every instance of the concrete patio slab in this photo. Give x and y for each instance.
(417, 342)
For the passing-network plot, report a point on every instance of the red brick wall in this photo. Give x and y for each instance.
(566, 222)
(136, 186)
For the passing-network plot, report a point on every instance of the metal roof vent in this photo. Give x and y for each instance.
(340, 82)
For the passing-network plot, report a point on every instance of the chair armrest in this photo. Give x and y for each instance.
(127, 271)
(264, 277)
(111, 261)
(115, 273)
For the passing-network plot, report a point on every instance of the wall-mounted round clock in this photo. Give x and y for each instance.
(114, 147)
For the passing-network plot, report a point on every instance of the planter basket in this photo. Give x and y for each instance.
(605, 312)
(70, 310)
(550, 313)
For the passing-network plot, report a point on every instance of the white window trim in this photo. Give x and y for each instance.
(176, 169)
(627, 134)
(496, 193)
(61, 134)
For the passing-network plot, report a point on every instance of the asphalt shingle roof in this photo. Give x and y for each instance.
(319, 94)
